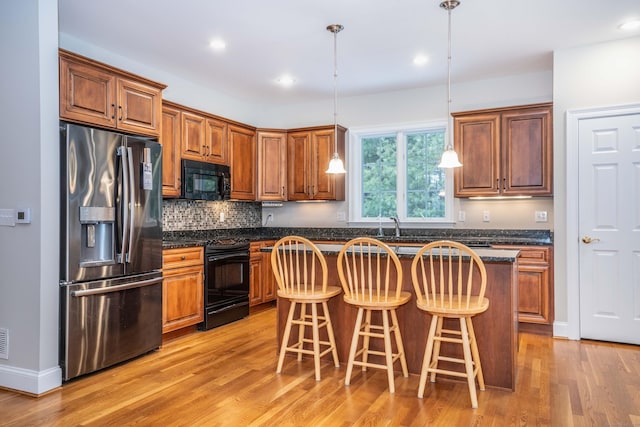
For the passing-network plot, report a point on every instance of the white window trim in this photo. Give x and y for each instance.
(355, 196)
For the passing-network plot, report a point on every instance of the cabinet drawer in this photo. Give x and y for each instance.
(529, 254)
(182, 257)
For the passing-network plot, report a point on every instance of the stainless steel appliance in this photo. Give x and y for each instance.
(205, 181)
(226, 282)
(111, 248)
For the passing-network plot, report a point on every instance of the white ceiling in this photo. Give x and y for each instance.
(267, 38)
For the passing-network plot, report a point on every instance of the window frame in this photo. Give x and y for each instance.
(355, 172)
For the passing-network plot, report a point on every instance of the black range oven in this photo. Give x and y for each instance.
(226, 289)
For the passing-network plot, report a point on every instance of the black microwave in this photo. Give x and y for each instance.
(205, 181)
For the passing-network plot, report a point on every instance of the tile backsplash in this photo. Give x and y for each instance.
(179, 214)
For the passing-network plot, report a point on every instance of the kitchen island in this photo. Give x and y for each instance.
(496, 329)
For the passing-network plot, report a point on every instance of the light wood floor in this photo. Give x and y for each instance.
(226, 377)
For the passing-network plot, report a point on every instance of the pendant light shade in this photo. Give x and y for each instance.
(335, 165)
(449, 157)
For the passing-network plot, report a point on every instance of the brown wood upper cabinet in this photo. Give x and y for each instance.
(170, 140)
(504, 151)
(309, 151)
(95, 93)
(242, 158)
(272, 165)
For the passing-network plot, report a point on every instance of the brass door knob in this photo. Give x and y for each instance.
(588, 239)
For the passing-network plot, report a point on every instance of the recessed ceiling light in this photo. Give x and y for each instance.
(286, 80)
(420, 59)
(217, 44)
(631, 25)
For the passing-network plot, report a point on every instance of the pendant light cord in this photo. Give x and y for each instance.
(449, 143)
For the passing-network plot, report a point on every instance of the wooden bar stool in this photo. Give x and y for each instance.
(371, 277)
(296, 261)
(450, 279)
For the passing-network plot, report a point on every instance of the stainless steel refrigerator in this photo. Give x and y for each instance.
(111, 248)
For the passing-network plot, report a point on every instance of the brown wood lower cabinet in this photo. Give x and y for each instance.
(182, 288)
(535, 286)
(262, 284)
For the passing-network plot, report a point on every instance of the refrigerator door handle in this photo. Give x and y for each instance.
(132, 199)
(116, 288)
(122, 152)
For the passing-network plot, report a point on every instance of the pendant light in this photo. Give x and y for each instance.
(335, 165)
(449, 157)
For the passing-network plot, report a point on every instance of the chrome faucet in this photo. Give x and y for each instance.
(397, 223)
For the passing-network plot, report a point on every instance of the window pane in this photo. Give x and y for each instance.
(379, 176)
(425, 181)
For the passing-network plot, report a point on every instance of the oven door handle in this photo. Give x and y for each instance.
(116, 288)
(219, 257)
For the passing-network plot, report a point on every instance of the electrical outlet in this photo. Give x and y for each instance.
(221, 216)
(462, 216)
(341, 216)
(541, 216)
(486, 216)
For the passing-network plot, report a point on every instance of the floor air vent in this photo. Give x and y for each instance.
(4, 343)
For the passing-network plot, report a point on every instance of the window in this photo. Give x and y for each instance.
(395, 172)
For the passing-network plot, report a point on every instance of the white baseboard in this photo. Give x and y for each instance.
(561, 329)
(29, 381)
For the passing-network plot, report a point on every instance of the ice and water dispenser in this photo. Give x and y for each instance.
(98, 228)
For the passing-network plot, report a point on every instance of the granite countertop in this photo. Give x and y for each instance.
(476, 238)
(486, 254)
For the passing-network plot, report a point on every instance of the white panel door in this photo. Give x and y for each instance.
(609, 225)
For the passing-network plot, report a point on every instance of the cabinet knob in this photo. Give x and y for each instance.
(183, 257)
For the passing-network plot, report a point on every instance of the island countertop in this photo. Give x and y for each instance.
(406, 251)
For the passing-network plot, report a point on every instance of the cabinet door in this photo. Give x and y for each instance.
(527, 152)
(272, 166)
(298, 166)
(242, 145)
(216, 142)
(87, 94)
(182, 298)
(323, 185)
(139, 107)
(533, 296)
(170, 140)
(255, 280)
(193, 136)
(477, 142)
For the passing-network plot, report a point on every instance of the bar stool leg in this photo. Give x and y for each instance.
(285, 337)
(354, 345)
(332, 339)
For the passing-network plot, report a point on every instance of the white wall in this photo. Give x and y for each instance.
(426, 104)
(600, 75)
(29, 176)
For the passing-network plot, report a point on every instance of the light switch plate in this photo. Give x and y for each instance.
(541, 216)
